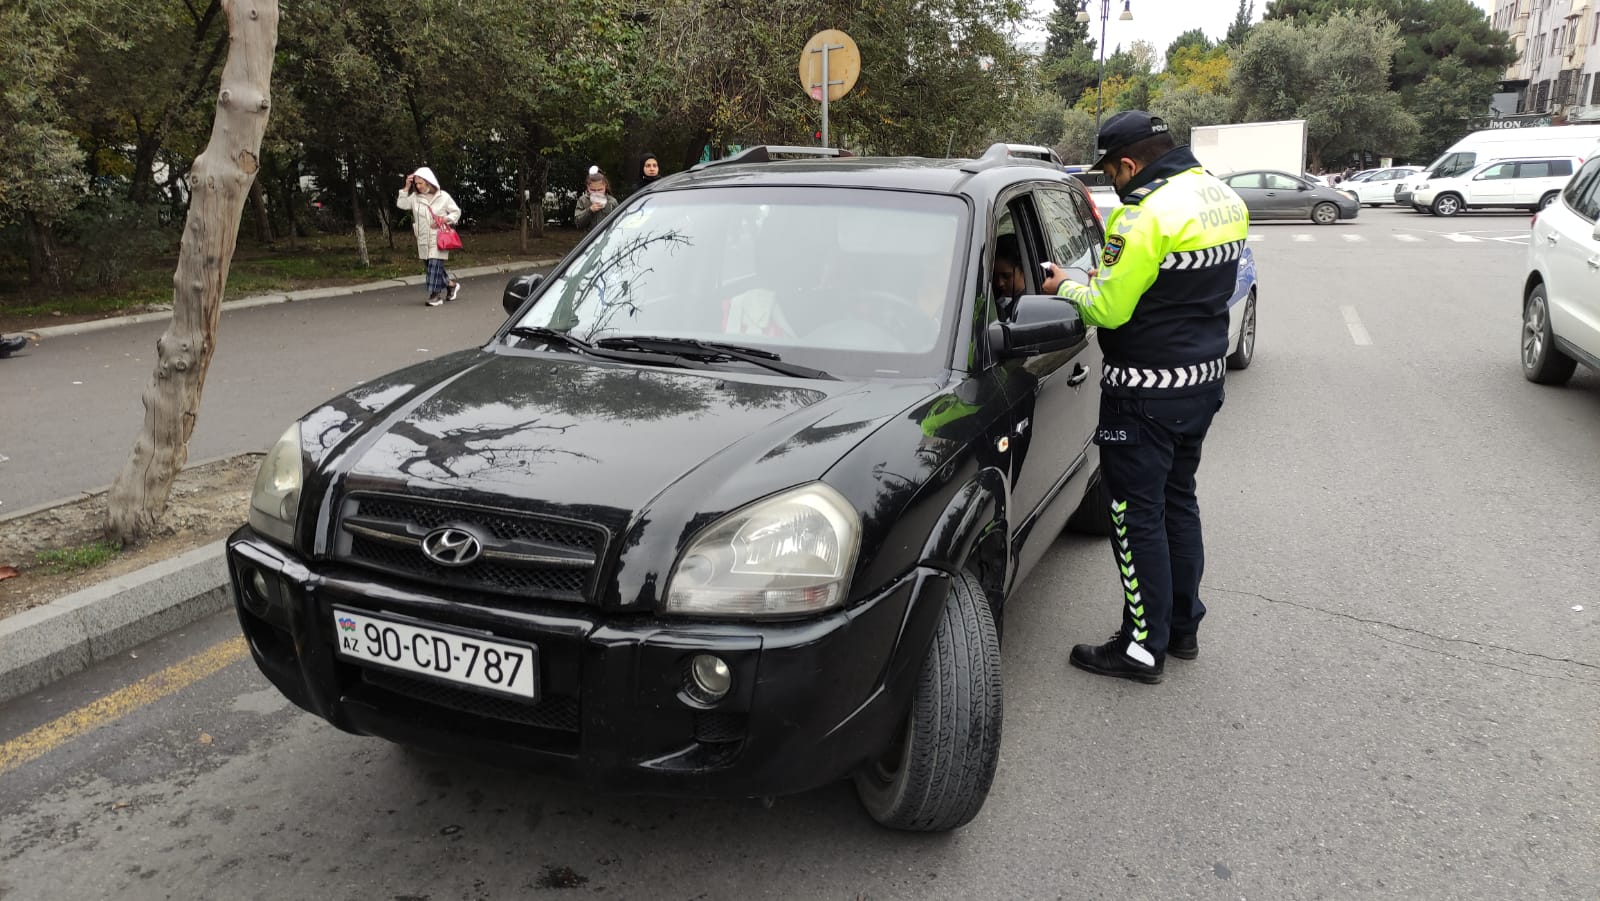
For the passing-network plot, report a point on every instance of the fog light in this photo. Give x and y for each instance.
(709, 678)
(257, 597)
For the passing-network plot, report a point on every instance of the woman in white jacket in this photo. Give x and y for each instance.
(428, 202)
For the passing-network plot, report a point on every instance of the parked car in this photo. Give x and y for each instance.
(732, 504)
(1561, 297)
(1379, 186)
(1279, 195)
(1522, 183)
(1493, 144)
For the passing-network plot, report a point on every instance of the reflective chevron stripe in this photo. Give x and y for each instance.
(1182, 377)
(1130, 583)
(1204, 259)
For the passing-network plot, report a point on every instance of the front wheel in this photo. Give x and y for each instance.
(1446, 205)
(936, 775)
(1246, 351)
(1325, 214)
(1541, 361)
(1547, 199)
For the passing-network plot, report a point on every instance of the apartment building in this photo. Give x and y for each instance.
(1557, 71)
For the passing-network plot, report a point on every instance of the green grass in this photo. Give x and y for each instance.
(78, 559)
(317, 262)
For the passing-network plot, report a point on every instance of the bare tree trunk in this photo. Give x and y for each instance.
(524, 200)
(355, 210)
(258, 199)
(541, 184)
(44, 264)
(384, 214)
(219, 182)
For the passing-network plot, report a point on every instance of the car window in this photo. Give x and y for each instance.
(1247, 180)
(1498, 171)
(853, 281)
(1453, 164)
(1552, 169)
(1583, 192)
(1274, 182)
(1071, 241)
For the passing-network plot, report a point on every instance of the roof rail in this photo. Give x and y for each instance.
(1001, 155)
(762, 153)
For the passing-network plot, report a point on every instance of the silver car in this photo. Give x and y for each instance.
(1279, 195)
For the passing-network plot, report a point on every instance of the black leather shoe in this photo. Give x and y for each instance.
(1184, 646)
(1111, 659)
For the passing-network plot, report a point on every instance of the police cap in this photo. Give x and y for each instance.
(1124, 130)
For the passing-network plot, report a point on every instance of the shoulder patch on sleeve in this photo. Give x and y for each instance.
(1113, 251)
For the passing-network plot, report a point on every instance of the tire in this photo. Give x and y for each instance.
(1241, 357)
(1325, 214)
(1542, 363)
(936, 775)
(1376, 205)
(1546, 200)
(1446, 205)
(1093, 516)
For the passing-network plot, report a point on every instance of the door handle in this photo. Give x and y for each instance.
(1081, 372)
(1553, 238)
(1594, 262)
(1272, 193)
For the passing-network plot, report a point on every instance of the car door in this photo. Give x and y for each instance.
(1073, 235)
(1494, 186)
(1290, 197)
(1572, 260)
(1251, 189)
(1536, 178)
(1047, 391)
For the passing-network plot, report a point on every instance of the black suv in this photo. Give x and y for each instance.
(730, 506)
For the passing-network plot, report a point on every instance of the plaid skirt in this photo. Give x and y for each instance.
(438, 278)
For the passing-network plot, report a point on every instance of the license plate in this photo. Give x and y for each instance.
(498, 666)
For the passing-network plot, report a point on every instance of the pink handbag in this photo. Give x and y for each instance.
(446, 236)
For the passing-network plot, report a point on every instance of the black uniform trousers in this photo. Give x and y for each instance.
(1149, 453)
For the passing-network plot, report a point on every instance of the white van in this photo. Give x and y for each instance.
(1502, 143)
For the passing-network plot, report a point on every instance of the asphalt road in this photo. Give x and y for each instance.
(1396, 696)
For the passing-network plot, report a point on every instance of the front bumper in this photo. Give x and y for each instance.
(812, 700)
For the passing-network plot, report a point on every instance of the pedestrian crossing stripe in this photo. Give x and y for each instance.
(1461, 239)
(1305, 238)
(1353, 239)
(1409, 239)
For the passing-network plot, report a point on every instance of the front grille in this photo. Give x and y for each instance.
(558, 712)
(523, 555)
(720, 728)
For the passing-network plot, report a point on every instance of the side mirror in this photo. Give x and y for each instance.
(1303, 187)
(518, 290)
(1043, 324)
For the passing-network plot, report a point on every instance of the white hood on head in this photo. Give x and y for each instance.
(427, 175)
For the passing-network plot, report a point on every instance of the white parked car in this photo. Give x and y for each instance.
(1561, 303)
(1521, 182)
(1377, 188)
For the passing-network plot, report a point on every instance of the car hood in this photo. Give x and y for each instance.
(557, 433)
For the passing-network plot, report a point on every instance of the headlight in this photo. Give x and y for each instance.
(275, 503)
(787, 555)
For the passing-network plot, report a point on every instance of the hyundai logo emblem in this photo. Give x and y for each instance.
(451, 546)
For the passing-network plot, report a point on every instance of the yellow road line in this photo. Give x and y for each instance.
(120, 703)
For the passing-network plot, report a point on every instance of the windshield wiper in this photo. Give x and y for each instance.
(714, 350)
(573, 342)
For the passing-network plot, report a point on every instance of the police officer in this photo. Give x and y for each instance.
(1160, 301)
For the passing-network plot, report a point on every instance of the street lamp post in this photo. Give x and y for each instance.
(1105, 14)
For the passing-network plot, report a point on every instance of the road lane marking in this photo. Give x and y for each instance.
(1255, 237)
(120, 703)
(1353, 239)
(1460, 238)
(1304, 238)
(1409, 239)
(1358, 332)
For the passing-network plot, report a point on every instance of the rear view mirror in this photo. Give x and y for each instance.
(518, 290)
(1043, 324)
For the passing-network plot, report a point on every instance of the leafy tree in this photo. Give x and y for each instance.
(1240, 29)
(1446, 99)
(1186, 107)
(1335, 76)
(1192, 40)
(1068, 64)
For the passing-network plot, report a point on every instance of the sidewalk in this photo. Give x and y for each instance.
(260, 300)
(272, 365)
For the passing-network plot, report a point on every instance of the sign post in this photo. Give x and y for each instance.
(829, 67)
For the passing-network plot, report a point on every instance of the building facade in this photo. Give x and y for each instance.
(1557, 72)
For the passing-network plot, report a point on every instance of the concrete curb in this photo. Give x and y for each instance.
(262, 300)
(72, 633)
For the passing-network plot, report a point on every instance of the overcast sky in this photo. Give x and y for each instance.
(1161, 21)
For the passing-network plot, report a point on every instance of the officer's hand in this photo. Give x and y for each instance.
(1055, 278)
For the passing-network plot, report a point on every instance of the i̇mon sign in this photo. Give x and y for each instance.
(1486, 124)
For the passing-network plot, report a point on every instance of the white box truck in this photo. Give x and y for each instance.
(1225, 149)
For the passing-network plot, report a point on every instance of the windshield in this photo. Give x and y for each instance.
(1452, 164)
(852, 281)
